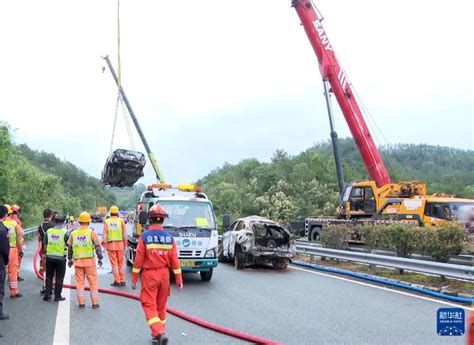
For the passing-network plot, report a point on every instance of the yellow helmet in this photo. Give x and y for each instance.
(114, 210)
(9, 208)
(85, 217)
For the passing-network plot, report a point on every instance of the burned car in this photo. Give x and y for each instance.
(123, 168)
(257, 240)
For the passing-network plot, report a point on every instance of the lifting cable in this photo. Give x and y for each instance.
(127, 124)
(119, 95)
(202, 323)
(115, 124)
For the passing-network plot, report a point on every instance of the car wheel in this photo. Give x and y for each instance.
(280, 264)
(314, 234)
(206, 275)
(238, 258)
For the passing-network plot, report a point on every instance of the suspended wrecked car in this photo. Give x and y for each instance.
(123, 168)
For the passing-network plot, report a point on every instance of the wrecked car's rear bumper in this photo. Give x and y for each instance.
(197, 265)
(260, 252)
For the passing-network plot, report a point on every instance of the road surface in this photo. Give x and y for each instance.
(293, 307)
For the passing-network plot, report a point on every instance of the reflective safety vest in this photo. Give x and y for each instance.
(82, 244)
(56, 244)
(114, 229)
(11, 226)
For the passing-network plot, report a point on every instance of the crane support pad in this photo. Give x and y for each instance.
(123, 168)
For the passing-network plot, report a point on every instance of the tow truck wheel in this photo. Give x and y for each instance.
(206, 275)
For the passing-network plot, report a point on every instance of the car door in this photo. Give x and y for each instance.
(237, 226)
(227, 239)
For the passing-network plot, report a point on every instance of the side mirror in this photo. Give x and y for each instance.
(143, 217)
(226, 221)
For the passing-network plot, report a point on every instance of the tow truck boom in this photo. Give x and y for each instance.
(332, 73)
(151, 156)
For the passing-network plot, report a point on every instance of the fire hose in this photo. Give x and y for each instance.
(177, 313)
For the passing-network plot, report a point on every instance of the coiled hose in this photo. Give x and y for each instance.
(184, 316)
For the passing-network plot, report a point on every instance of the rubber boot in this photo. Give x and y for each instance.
(160, 340)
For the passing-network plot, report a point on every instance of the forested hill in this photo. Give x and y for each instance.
(36, 180)
(291, 187)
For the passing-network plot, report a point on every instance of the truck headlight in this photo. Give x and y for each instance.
(211, 253)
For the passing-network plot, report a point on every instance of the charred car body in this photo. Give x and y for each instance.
(257, 240)
(123, 168)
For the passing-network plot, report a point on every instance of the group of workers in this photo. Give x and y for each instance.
(11, 252)
(79, 245)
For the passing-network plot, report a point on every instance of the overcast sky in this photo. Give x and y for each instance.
(222, 80)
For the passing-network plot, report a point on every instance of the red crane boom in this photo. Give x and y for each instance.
(333, 73)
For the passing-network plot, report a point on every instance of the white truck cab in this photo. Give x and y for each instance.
(191, 222)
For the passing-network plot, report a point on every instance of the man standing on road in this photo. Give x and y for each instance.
(4, 254)
(16, 216)
(114, 235)
(15, 237)
(42, 228)
(54, 248)
(81, 245)
(156, 255)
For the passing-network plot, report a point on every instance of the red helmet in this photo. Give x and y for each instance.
(157, 211)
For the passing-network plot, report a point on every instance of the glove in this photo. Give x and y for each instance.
(70, 263)
(20, 254)
(100, 263)
(134, 285)
(180, 287)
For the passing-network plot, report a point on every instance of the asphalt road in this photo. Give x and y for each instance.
(293, 307)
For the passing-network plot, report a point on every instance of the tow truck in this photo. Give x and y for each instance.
(191, 221)
(379, 199)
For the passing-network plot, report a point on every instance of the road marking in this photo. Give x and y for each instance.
(383, 288)
(61, 330)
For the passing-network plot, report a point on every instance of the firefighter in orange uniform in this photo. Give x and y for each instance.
(114, 235)
(156, 255)
(470, 329)
(15, 234)
(16, 216)
(81, 245)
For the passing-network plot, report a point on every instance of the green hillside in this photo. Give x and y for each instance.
(292, 187)
(36, 180)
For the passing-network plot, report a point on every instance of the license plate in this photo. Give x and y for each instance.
(187, 263)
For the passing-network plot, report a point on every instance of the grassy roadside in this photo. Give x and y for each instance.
(434, 283)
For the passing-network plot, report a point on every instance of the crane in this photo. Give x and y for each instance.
(334, 75)
(363, 198)
(379, 198)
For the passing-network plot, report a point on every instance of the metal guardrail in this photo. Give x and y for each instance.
(30, 232)
(461, 259)
(429, 267)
